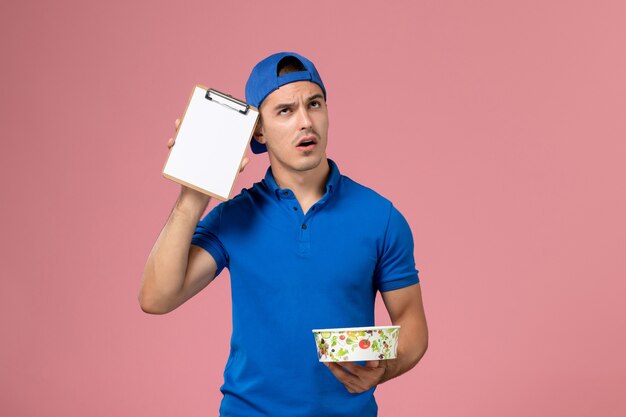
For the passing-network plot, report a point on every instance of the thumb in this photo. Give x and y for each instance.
(244, 162)
(372, 364)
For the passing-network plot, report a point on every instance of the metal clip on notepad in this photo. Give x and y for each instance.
(227, 100)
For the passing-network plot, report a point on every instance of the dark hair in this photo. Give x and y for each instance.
(289, 64)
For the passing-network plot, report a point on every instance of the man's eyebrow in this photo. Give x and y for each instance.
(284, 105)
(315, 97)
(293, 103)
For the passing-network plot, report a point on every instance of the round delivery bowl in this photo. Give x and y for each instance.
(356, 343)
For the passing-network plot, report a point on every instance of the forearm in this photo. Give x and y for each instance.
(412, 345)
(165, 270)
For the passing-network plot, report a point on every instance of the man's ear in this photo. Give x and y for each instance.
(258, 132)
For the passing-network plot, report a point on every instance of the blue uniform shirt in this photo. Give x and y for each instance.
(292, 272)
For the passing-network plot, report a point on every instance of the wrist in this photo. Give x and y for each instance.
(192, 203)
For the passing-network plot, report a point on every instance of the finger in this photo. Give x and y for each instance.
(244, 162)
(366, 376)
(341, 374)
(352, 367)
(170, 142)
(374, 364)
(370, 367)
(350, 382)
(357, 385)
(352, 389)
(177, 124)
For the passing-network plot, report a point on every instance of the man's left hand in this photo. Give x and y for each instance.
(358, 378)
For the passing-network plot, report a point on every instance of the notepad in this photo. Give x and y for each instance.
(211, 142)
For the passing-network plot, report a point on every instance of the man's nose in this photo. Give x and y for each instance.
(304, 118)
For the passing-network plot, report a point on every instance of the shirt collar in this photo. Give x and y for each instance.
(331, 184)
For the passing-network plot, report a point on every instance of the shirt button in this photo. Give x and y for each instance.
(285, 192)
(304, 226)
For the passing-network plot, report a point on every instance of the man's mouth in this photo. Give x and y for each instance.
(307, 143)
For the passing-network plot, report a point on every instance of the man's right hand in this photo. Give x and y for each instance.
(187, 192)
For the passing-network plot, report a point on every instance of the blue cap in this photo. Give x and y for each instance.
(264, 79)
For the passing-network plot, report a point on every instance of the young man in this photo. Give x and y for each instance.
(306, 248)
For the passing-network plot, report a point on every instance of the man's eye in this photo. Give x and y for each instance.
(283, 111)
(315, 104)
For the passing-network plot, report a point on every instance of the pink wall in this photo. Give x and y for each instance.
(497, 128)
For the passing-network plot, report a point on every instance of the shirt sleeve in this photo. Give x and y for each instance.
(207, 235)
(396, 265)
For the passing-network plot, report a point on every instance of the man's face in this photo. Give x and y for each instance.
(294, 114)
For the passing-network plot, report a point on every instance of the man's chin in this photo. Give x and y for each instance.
(309, 163)
(301, 163)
